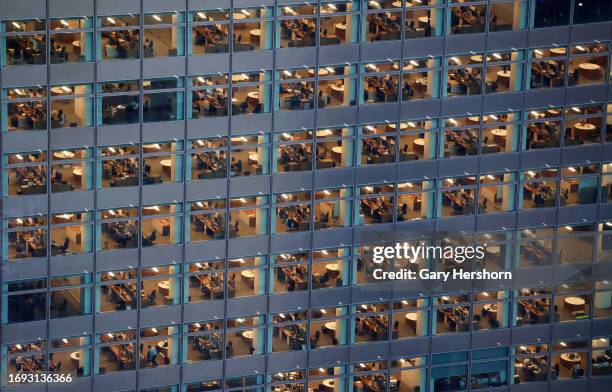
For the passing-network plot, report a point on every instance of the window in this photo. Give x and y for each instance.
(115, 351)
(328, 327)
(116, 290)
(375, 204)
(160, 346)
(410, 318)
(209, 95)
(548, 67)
(507, 15)
(23, 357)
(547, 13)
(117, 228)
(161, 224)
(489, 368)
(602, 299)
(339, 22)
(71, 233)
(118, 37)
(382, 21)
(332, 208)
(162, 162)
(497, 193)
(453, 376)
(250, 155)
(531, 306)
(330, 268)
(461, 137)
(539, 188)
(203, 342)
(579, 184)
(291, 272)
(208, 158)
(468, 18)
(206, 281)
(71, 355)
(25, 42)
(163, 99)
(286, 381)
(543, 129)
(160, 286)
(118, 103)
(415, 200)
(421, 79)
(457, 196)
(334, 147)
(27, 237)
(71, 40)
(531, 363)
(588, 64)
(337, 86)
(24, 109)
(589, 11)
(575, 243)
(287, 332)
(600, 357)
(293, 151)
(164, 34)
(207, 219)
(251, 92)
(252, 28)
(118, 165)
(370, 322)
(408, 374)
(380, 82)
(491, 310)
(209, 31)
(25, 173)
(500, 132)
(248, 216)
(453, 314)
(71, 170)
(326, 378)
(247, 277)
(583, 125)
(244, 336)
(24, 301)
(377, 144)
(297, 25)
(464, 75)
(70, 295)
(504, 72)
(536, 246)
(423, 21)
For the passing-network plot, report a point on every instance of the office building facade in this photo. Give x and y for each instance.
(192, 191)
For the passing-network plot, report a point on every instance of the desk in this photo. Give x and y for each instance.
(164, 287)
(64, 155)
(590, 70)
(166, 165)
(574, 303)
(337, 153)
(255, 36)
(419, 145)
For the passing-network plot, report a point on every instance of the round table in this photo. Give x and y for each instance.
(77, 172)
(64, 217)
(337, 91)
(397, 4)
(322, 71)
(584, 130)
(570, 359)
(64, 154)
(255, 36)
(253, 97)
(76, 47)
(248, 335)
(503, 77)
(574, 303)
(499, 136)
(340, 30)
(337, 152)
(330, 326)
(75, 359)
(423, 21)
(166, 165)
(164, 287)
(477, 58)
(393, 126)
(474, 119)
(411, 319)
(590, 70)
(558, 51)
(239, 16)
(253, 158)
(153, 147)
(248, 274)
(493, 249)
(239, 77)
(491, 308)
(419, 145)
